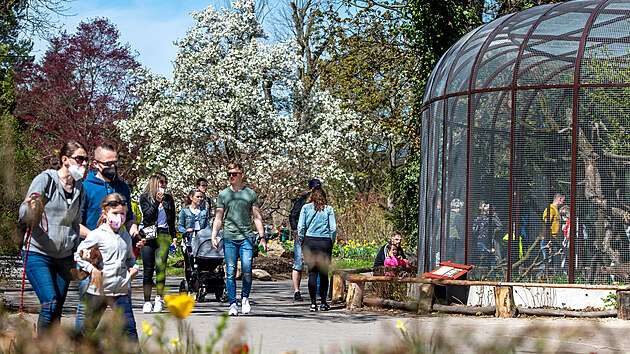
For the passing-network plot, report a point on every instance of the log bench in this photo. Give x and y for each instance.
(503, 292)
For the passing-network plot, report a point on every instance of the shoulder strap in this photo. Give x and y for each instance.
(309, 223)
(49, 190)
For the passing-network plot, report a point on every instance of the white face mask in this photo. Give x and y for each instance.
(77, 172)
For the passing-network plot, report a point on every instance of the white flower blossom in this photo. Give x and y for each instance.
(232, 99)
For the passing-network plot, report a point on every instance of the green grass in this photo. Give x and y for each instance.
(175, 271)
(171, 259)
(339, 263)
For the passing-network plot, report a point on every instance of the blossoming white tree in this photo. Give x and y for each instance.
(231, 99)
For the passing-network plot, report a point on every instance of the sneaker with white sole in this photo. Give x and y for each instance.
(148, 307)
(159, 303)
(233, 310)
(245, 306)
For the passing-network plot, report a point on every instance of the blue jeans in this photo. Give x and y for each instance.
(233, 250)
(50, 278)
(96, 305)
(80, 317)
(486, 257)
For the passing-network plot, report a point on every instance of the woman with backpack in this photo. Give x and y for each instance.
(52, 213)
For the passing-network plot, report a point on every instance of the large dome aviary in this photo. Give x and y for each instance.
(526, 132)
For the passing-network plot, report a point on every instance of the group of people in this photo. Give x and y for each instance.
(69, 217)
(60, 211)
(487, 231)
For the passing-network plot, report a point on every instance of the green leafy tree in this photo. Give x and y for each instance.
(14, 151)
(370, 67)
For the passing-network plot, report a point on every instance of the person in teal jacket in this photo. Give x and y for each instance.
(317, 230)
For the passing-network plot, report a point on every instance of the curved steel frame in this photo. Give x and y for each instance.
(470, 42)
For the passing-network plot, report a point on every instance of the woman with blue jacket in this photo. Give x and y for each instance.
(317, 230)
(192, 218)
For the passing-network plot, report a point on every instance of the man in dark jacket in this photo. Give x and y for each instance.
(206, 202)
(98, 184)
(298, 259)
(396, 240)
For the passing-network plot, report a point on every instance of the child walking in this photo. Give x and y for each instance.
(110, 279)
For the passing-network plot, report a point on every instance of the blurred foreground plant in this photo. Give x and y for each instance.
(19, 336)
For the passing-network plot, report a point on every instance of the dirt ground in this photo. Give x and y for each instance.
(278, 262)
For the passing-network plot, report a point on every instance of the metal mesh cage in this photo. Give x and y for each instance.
(526, 148)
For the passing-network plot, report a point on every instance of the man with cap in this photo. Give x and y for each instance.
(298, 259)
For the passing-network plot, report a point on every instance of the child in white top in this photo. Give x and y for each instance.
(109, 284)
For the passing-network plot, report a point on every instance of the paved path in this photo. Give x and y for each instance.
(278, 324)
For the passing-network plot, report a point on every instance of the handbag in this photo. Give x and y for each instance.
(150, 232)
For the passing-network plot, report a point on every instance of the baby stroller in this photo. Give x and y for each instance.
(203, 271)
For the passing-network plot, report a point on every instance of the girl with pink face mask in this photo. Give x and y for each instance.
(109, 284)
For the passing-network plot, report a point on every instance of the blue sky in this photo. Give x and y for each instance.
(149, 26)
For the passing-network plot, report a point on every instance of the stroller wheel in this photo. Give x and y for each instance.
(183, 286)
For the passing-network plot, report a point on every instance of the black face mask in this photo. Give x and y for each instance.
(109, 172)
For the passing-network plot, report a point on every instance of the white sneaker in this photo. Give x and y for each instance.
(245, 306)
(159, 303)
(147, 307)
(233, 310)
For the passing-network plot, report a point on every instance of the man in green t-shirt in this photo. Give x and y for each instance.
(236, 205)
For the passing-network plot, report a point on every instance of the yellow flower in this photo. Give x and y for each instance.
(180, 305)
(401, 326)
(147, 328)
(175, 342)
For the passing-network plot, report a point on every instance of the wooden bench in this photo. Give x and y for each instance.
(503, 292)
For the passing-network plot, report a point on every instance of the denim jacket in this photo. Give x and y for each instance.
(187, 219)
(317, 223)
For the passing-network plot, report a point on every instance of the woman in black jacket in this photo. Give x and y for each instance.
(158, 209)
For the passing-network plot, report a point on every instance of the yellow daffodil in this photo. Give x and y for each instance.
(180, 305)
(401, 326)
(146, 328)
(175, 342)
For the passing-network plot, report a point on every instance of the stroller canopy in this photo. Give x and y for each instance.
(202, 245)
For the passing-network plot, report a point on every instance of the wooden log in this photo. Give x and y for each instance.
(566, 313)
(350, 295)
(355, 295)
(375, 279)
(425, 298)
(377, 302)
(623, 305)
(465, 310)
(338, 288)
(504, 300)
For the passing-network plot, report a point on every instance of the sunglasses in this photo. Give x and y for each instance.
(110, 163)
(397, 239)
(114, 203)
(163, 181)
(79, 159)
(203, 185)
(233, 174)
